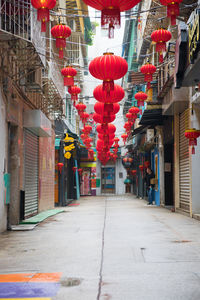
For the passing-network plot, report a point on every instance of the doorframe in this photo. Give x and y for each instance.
(109, 166)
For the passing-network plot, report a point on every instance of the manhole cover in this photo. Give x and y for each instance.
(69, 282)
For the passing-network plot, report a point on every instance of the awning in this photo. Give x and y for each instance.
(152, 117)
(139, 129)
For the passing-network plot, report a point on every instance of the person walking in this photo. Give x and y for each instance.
(150, 186)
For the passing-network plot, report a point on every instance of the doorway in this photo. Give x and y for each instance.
(108, 180)
(168, 168)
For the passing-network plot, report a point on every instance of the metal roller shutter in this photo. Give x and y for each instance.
(184, 164)
(31, 173)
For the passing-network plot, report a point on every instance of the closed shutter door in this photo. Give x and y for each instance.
(31, 173)
(184, 163)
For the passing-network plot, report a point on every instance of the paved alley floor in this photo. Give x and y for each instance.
(112, 247)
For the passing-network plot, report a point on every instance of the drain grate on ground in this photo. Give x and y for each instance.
(70, 282)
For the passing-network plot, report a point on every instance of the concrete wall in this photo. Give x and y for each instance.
(3, 153)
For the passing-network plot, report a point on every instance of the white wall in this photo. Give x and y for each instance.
(120, 186)
(195, 161)
(3, 135)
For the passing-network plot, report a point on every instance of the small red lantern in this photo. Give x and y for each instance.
(148, 70)
(172, 9)
(141, 167)
(124, 137)
(110, 12)
(80, 108)
(192, 135)
(84, 117)
(141, 97)
(116, 140)
(146, 164)
(74, 90)
(108, 67)
(161, 37)
(80, 171)
(43, 7)
(133, 172)
(68, 74)
(74, 169)
(134, 110)
(60, 166)
(87, 129)
(60, 33)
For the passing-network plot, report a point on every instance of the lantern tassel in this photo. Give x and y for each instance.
(61, 53)
(43, 26)
(111, 31)
(193, 150)
(173, 20)
(68, 81)
(108, 86)
(148, 85)
(161, 57)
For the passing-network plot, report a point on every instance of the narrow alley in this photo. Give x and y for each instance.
(107, 247)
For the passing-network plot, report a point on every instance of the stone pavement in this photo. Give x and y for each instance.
(112, 247)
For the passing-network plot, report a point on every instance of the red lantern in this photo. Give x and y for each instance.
(106, 109)
(161, 37)
(192, 135)
(106, 136)
(84, 117)
(60, 166)
(74, 169)
(133, 172)
(103, 119)
(146, 164)
(110, 11)
(108, 67)
(115, 95)
(141, 97)
(43, 7)
(68, 74)
(80, 171)
(80, 108)
(141, 167)
(124, 137)
(74, 90)
(60, 33)
(109, 128)
(116, 140)
(148, 70)
(87, 129)
(134, 111)
(172, 9)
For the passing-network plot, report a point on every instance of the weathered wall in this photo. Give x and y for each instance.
(3, 135)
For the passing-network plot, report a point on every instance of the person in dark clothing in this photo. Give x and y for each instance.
(150, 186)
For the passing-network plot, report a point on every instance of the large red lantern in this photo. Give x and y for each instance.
(74, 90)
(108, 67)
(110, 11)
(60, 33)
(68, 74)
(109, 128)
(106, 109)
(161, 37)
(148, 70)
(115, 95)
(192, 135)
(172, 9)
(43, 7)
(103, 118)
